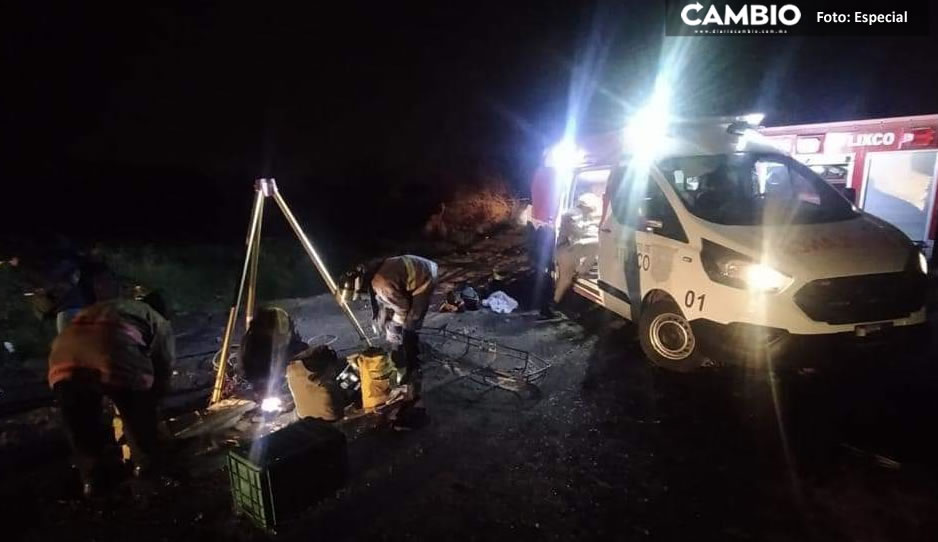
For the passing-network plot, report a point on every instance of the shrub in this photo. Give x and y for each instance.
(202, 278)
(472, 211)
(19, 323)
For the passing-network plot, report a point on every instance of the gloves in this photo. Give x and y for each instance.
(382, 318)
(394, 333)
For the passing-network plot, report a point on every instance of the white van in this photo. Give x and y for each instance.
(724, 242)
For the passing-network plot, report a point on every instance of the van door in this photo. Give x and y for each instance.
(616, 244)
(900, 189)
(641, 243)
(590, 185)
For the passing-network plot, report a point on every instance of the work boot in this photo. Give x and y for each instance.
(410, 418)
(102, 479)
(547, 312)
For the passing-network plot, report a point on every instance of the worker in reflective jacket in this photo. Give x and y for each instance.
(401, 288)
(269, 345)
(577, 243)
(122, 349)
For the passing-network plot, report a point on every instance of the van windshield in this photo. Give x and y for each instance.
(744, 189)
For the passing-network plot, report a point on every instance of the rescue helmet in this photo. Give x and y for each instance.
(589, 203)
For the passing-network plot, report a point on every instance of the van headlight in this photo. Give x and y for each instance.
(731, 268)
(916, 262)
(763, 278)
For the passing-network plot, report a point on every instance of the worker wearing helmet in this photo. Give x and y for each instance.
(269, 345)
(124, 349)
(577, 243)
(401, 288)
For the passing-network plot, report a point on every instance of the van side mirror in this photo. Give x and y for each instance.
(655, 216)
(850, 194)
(652, 224)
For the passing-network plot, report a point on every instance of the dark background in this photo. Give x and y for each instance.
(144, 123)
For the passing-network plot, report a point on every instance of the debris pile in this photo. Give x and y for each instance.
(472, 211)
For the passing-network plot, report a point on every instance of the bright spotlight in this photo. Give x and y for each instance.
(564, 156)
(754, 119)
(271, 404)
(648, 128)
(763, 278)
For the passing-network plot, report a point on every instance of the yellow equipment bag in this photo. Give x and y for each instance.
(378, 377)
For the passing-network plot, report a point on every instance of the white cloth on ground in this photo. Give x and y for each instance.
(500, 302)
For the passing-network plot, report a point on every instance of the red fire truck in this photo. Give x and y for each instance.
(887, 166)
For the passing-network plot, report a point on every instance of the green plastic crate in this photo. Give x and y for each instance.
(275, 478)
(250, 491)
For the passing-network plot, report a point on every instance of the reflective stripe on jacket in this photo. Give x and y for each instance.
(126, 342)
(399, 279)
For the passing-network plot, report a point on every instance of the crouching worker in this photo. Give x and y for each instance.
(269, 344)
(122, 349)
(401, 289)
(314, 387)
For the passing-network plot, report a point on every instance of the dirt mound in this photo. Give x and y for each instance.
(472, 211)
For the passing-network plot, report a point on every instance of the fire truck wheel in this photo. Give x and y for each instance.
(667, 338)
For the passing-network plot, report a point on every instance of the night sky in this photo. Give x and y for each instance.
(115, 105)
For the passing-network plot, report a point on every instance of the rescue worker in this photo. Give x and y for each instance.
(541, 257)
(72, 280)
(577, 243)
(313, 384)
(122, 349)
(401, 288)
(269, 344)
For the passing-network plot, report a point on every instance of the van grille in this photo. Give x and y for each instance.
(862, 298)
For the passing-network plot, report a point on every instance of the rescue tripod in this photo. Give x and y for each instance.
(247, 286)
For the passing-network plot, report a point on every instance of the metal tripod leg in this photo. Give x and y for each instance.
(317, 261)
(249, 257)
(250, 300)
(248, 283)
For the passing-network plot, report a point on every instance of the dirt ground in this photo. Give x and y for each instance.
(607, 448)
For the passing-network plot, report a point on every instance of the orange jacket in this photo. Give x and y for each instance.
(126, 342)
(398, 280)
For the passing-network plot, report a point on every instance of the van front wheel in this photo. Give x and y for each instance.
(667, 338)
